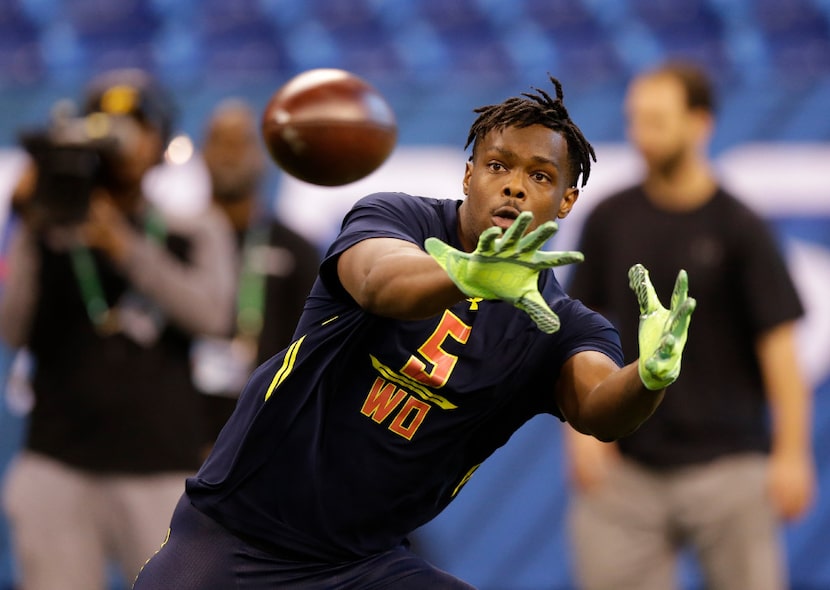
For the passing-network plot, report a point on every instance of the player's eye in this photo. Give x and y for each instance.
(496, 167)
(540, 177)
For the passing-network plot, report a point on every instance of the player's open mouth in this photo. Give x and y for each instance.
(504, 217)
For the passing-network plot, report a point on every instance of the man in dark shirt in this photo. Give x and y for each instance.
(704, 471)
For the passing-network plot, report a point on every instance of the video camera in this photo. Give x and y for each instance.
(74, 155)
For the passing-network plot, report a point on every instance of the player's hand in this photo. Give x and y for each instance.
(506, 267)
(662, 332)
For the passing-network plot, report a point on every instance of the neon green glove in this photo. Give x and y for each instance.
(506, 267)
(663, 332)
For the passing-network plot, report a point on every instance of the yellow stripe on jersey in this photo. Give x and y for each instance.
(465, 479)
(412, 385)
(286, 368)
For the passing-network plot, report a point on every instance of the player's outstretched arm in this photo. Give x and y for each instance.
(396, 279)
(600, 399)
(506, 267)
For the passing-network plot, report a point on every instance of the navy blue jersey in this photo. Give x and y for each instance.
(366, 427)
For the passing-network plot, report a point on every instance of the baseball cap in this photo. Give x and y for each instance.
(131, 92)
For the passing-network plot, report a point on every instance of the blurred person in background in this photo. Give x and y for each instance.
(727, 456)
(276, 266)
(107, 294)
(12, 404)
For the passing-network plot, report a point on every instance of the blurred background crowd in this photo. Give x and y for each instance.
(435, 60)
(771, 58)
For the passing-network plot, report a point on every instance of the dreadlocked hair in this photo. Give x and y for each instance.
(537, 108)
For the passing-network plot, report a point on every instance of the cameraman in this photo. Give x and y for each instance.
(107, 294)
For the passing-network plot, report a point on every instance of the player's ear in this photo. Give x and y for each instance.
(468, 172)
(567, 203)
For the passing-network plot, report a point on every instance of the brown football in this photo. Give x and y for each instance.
(329, 127)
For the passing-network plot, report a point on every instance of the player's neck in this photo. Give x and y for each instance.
(684, 187)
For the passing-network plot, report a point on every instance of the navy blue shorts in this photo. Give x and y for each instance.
(199, 554)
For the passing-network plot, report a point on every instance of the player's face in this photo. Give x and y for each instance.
(660, 124)
(514, 170)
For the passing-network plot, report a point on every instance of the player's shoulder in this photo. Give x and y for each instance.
(406, 209)
(398, 200)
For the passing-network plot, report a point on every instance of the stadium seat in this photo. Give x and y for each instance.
(360, 36)
(21, 61)
(474, 50)
(688, 29)
(797, 36)
(584, 49)
(239, 43)
(114, 34)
